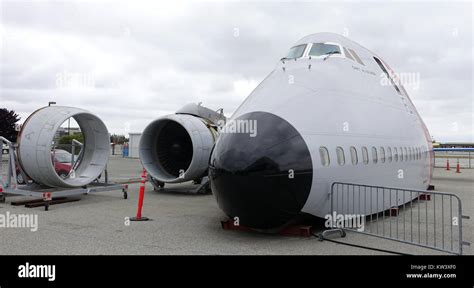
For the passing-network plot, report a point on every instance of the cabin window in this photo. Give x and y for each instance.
(389, 154)
(320, 49)
(340, 155)
(324, 153)
(356, 57)
(382, 155)
(374, 155)
(354, 155)
(395, 154)
(365, 155)
(405, 152)
(296, 52)
(401, 154)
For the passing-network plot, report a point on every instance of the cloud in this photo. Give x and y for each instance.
(130, 62)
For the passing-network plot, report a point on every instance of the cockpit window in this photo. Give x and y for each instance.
(356, 57)
(348, 55)
(320, 49)
(296, 52)
(382, 67)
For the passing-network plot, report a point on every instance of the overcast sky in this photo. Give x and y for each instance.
(130, 62)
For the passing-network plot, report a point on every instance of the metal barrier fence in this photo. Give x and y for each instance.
(423, 218)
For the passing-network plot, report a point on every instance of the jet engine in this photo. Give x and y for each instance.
(176, 148)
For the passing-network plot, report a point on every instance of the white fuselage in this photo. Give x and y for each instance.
(339, 102)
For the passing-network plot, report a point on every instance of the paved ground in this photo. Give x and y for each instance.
(182, 224)
(124, 169)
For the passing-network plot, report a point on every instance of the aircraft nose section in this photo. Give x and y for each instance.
(262, 176)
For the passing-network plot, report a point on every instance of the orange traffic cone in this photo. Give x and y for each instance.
(458, 168)
(447, 165)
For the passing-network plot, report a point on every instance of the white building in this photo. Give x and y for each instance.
(134, 140)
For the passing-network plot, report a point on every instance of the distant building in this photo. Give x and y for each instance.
(134, 140)
(62, 131)
(454, 145)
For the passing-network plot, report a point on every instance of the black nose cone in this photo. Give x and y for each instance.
(263, 180)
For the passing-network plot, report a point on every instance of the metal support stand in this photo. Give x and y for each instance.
(9, 187)
(198, 188)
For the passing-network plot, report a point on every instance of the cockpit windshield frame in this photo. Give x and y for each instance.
(337, 55)
(308, 47)
(300, 53)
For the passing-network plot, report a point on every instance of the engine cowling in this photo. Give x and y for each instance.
(176, 148)
(39, 132)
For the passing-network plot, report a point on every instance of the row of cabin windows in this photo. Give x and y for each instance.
(381, 154)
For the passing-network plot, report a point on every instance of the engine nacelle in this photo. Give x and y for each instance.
(176, 148)
(38, 134)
